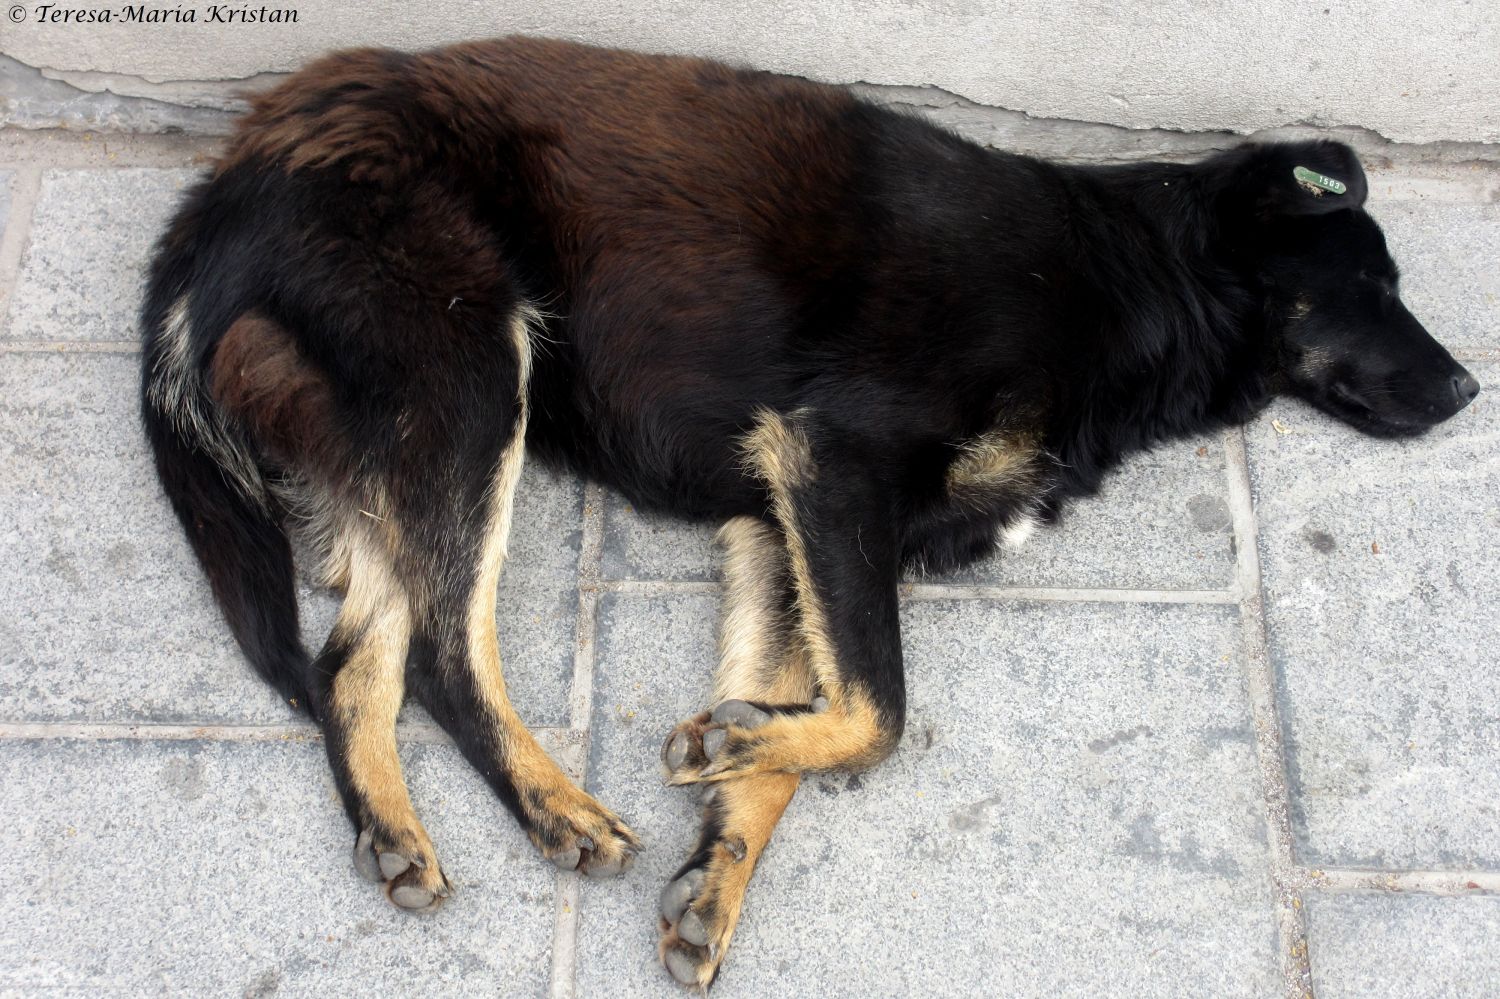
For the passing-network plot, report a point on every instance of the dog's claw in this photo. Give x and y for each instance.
(364, 858)
(819, 705)
(567, 860)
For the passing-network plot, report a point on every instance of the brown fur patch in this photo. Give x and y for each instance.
(258, 376)
(382, 116)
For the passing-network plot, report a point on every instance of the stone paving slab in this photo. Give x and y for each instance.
(6, 176)
(1073, 811)
(1447, 255)
(644, 545)
(188, 868)
(85, 261)
(1404, 947)
(1381, 579)
(1162, 521)
(108, 615)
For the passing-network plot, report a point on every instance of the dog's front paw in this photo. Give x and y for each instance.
(699, 909)
(712, 744)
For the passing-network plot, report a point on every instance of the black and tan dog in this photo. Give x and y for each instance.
(860, 342)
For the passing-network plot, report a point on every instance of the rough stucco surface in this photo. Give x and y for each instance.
(1412, 71)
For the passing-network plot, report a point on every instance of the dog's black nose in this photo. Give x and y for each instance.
(1465, 388)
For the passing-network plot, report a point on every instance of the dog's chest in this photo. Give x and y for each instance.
(991, 494)
(993, 469)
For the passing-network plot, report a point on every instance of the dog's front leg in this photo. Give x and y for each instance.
(762, 661)
(839, 556)
(843, 555)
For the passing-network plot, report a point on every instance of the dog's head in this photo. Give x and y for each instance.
(1341, 337)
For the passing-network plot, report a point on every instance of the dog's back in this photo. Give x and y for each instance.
(859, 339)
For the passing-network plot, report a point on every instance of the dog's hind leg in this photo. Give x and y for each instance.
(361, 668)
(266, 384)
(762, 661)
(455, 665)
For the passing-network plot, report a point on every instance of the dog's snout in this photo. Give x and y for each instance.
(1465, 388)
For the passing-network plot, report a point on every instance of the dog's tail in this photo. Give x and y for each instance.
(209, 468)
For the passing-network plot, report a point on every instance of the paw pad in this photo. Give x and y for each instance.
(679, 894)
(741, 713)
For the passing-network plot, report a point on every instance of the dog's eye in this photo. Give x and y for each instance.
(1386, 284)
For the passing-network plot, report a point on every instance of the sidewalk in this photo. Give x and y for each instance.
(1233, 730)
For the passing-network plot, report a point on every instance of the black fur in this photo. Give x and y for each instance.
(708, 246)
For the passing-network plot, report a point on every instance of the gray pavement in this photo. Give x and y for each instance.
(1230, 730)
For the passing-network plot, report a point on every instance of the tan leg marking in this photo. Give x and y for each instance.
(551, 800)
(761, 658)
(365, 700)
(757, 630)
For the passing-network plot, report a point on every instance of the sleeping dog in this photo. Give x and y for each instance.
(859, 342)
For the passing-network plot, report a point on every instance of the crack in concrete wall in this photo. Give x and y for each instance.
(31, 99)
(42, 98)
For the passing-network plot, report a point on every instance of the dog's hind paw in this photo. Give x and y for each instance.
(409, 871)
(575, 832)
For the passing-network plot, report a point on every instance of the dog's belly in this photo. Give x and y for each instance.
(673, 459)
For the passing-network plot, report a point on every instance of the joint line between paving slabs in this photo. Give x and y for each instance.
(69, 347)
(1351, 880)
(406, 732)
(1270, 751)
(959, 591)
(25, 190)
(1476, 353)
(563, 984)
(1067, 594)
(59, 149)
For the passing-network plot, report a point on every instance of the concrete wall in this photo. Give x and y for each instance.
(1410, 70)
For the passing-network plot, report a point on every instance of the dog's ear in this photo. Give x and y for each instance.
(1295, 178)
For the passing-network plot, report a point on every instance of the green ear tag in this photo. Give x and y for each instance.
(1317, 183)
